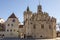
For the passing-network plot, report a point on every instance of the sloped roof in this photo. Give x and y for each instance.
(12, 16)
(20, 26)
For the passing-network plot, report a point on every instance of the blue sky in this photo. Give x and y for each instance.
(7, 7)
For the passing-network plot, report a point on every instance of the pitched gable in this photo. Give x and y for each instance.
(12, 16)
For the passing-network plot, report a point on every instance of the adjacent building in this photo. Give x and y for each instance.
(12, 26)
(39, 24)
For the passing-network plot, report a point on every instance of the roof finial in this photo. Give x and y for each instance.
(27, 8)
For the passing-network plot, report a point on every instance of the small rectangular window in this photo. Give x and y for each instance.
(14, 30)
(49, 26)
(8, 24)
(34, 26)
(11, 24)
(42, 26)
(7, 30)
(31, 23)
(11, 30)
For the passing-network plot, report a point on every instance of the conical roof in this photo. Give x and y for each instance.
(12, 16)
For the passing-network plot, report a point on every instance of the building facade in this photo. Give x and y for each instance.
(36, 25)
(39, 24)
(12, 26)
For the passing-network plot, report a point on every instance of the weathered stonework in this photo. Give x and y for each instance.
(12, 26)
(40, 24)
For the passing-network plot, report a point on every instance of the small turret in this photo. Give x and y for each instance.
(39, 9)
(27, 14)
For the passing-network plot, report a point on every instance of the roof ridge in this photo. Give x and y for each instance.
(12, 16)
